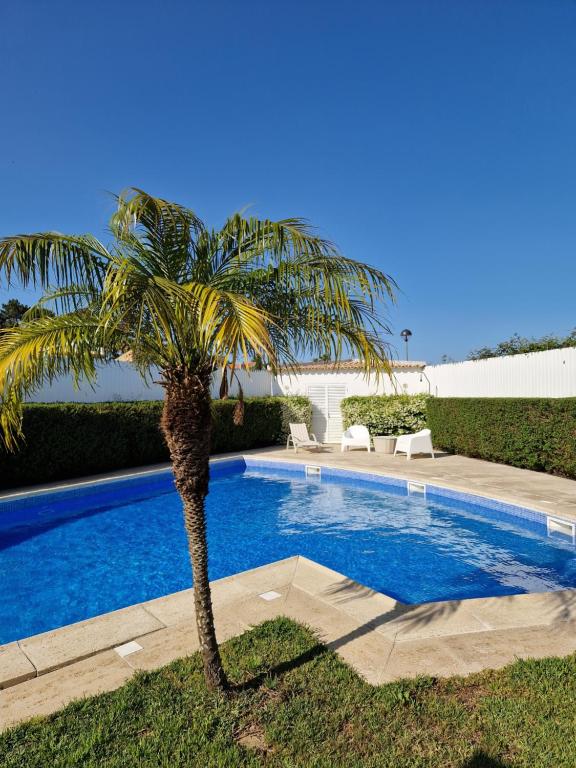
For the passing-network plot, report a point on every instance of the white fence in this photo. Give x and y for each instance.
(121, 381)
(537, 374)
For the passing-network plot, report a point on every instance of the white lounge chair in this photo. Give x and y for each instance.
(419, 442)
(356, 436)
(300, 438)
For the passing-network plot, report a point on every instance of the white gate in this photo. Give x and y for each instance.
(326, 415)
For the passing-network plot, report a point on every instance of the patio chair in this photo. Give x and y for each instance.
(300, 438)
(356, 436)
(419, 442)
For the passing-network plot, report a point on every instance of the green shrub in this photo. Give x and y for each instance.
(533, 433)
(65, 440)
(295, 409)
(266, 422)
(386, 414)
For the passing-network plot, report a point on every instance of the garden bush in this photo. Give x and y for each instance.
(65, 440)
(296, 409)
(533, 433)
(386, 414)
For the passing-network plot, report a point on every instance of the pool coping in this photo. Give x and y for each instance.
(380, 637)
(38, 655)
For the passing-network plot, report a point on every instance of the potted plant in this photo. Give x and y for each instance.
(384, 443)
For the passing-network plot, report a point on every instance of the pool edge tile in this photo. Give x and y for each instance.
(57, 648)
(15, 666)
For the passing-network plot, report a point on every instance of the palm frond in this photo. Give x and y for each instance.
(178, 294)
(39, 351)
(241, 327)
(59, 301)
(320, 299)
(165, 229)
(50, 257)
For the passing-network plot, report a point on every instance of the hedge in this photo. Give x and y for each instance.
(386, 414)
(533, 433)
(66, 440)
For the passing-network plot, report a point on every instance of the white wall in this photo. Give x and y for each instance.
(409, 381)
(116, 381)
(537, 374)
(121, 381)
(326, 390)
(254, 384)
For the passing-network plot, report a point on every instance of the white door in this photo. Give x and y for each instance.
(326, 415)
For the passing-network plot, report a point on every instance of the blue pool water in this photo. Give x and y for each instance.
(75, 554)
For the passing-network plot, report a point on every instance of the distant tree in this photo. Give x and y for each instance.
(325, 358)
(518, 345)
(446, 359)
(11, 312)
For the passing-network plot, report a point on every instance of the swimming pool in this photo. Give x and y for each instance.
(77, 553)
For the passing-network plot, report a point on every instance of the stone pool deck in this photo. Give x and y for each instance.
(380, 637)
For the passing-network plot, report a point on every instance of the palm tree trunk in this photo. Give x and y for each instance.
(187, 426)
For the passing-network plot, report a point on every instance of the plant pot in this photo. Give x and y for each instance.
(384, 444)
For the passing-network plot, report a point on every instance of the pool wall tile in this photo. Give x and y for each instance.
(147, 482)
(500, 510)
(287, 466)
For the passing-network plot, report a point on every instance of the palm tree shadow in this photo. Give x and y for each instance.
(481, 760)
(405, 616)
(346, 590)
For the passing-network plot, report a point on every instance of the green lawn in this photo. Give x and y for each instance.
(297, 704)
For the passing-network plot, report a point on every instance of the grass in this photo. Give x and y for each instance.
(297, 704)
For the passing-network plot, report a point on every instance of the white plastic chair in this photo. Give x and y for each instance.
(300, 438)
(356, 436)
(419, 442)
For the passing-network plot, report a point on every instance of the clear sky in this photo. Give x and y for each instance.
(434, 139)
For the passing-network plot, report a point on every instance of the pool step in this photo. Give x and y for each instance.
(558, 525)
(415, 488)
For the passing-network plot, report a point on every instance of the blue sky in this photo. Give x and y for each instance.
(433, 139)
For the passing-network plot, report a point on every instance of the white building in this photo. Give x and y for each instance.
(327, 386)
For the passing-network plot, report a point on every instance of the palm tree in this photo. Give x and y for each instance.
(189, 300)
